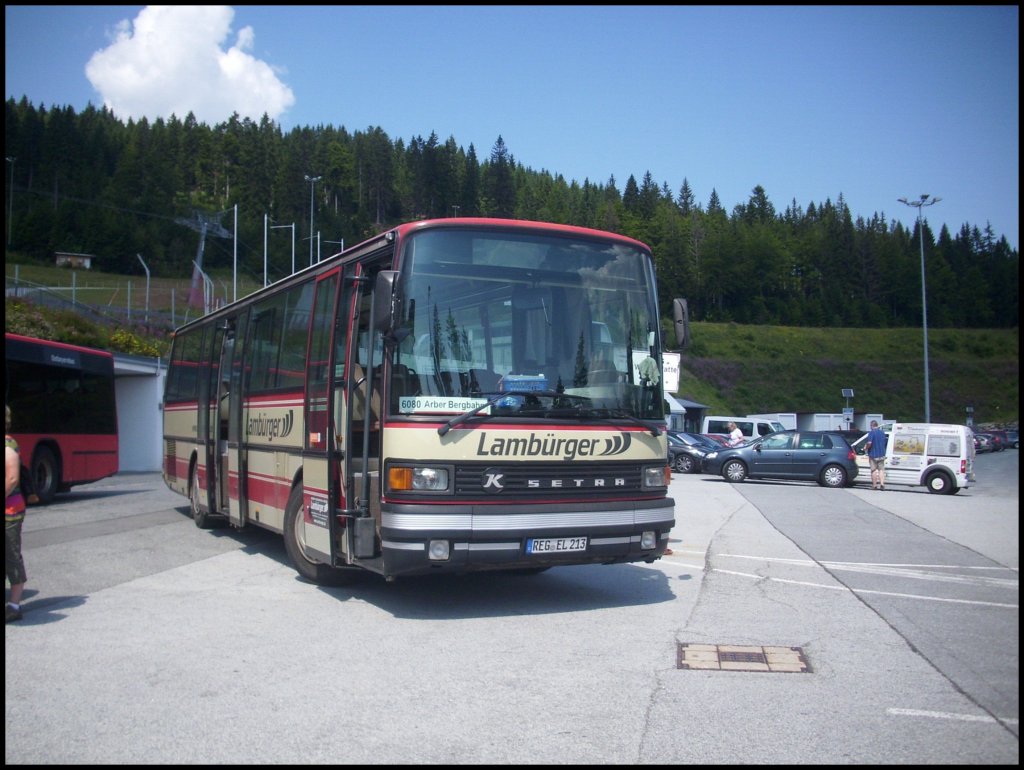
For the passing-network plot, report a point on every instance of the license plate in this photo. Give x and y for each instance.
(556, 544)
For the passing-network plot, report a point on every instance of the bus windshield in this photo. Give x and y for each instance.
(562, 325)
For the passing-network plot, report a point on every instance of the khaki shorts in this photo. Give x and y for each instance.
(877, 463)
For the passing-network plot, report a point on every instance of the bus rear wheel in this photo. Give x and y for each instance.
(295, 546)
(45, 473)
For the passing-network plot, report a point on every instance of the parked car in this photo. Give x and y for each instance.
(1003, 436)
(686, 458)
(997, 441)
(1014, 437)
(821, 456)
(717, 438)
(694, 439)
(982, 443)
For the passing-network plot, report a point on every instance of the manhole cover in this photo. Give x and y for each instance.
(731, 657)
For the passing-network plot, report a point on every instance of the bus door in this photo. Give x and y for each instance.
(219, 422)
(358, 409)
(233, 466)
(209, 418)
(319, 467)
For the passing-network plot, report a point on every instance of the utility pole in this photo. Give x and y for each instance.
(276, 227)
(146, 268)
(925, 200)
(312, 182)
(10, 215)
(234, 271)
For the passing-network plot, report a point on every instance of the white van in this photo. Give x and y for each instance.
(752, 427)
(933, 455)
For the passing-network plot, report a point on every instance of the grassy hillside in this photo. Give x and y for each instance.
(732, 368)
(750, 369)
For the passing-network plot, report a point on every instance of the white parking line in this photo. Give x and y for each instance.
(867, 591)
(948, 715)
(839, 564)
(908, 571)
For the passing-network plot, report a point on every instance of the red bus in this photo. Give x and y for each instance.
(448, 396)
(63, 412)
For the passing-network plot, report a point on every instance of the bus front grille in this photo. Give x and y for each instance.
(545, 480)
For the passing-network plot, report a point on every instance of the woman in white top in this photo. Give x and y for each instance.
(735, 435)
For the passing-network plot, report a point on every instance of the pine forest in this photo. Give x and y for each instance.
(89, 183)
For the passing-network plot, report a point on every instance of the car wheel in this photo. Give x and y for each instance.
(734, 471)
(833, 476)
(684, 463)
(939, 484)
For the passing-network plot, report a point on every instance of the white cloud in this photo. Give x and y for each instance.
(171, 60)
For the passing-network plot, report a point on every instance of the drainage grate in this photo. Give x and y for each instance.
(730, 657)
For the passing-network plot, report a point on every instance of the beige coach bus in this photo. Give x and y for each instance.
(428, 401)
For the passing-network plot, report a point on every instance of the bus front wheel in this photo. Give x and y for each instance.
(200, 516)
(295, 545)
(45, 473)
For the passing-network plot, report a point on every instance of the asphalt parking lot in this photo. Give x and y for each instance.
(147, 640)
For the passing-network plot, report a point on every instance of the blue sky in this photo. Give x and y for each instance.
(872, 103)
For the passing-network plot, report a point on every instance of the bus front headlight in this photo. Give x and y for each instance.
(657, 476)
(418, 478)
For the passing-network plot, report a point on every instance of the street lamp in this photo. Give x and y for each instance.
(925, 200)
(312, 181)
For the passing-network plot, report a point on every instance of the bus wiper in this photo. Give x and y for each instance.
(527, 394)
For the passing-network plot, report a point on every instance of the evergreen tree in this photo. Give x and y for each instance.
(499, 195)
(469, 196)
(91, 183)
(631, 196)
(686, 199)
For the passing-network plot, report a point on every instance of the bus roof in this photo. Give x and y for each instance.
(518, 224)
(11, 337)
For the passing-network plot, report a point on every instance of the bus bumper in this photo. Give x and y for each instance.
(486, 537)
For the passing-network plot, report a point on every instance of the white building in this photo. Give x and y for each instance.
(139, 388)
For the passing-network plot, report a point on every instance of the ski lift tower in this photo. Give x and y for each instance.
(204, 224)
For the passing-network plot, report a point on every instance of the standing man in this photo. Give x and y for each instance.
(876, 444)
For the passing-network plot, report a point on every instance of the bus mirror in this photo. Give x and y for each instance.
(681, 313)
(384, 301)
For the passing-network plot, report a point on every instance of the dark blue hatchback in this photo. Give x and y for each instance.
(821, 456)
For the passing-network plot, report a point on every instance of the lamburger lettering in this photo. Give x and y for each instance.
(551, 445)
(271, 427)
